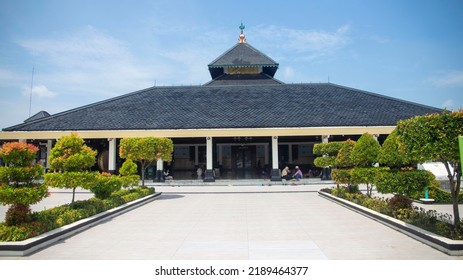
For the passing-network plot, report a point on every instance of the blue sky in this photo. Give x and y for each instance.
(87, 51)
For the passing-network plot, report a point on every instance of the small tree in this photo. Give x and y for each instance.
(364, 155)
(129, 173)
(392, 154)
(105, 184)
(70, 158)
(146, 151)
(401, 178)
(344, 163)
(327, 153)
(19, 184)
(435, 138)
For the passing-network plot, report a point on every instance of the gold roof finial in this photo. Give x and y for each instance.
(242, 38)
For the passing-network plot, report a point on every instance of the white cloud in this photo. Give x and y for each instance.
(449, 104)
(288, 73)
(450, 79)
(306, 44)
(40, 91)
(87, 63)
(8, 77)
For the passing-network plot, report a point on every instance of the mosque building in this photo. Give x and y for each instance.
(238, 125)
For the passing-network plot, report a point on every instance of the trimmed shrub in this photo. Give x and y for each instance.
(341, 176)
(398, 207)
(407, 183)
(18, 181)
(53, 218)
(399, 202)
(105, 184)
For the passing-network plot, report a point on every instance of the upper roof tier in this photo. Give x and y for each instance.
(240, 56)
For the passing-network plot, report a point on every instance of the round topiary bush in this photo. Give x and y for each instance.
(19, 186)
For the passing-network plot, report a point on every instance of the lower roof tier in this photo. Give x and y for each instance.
(233, 106)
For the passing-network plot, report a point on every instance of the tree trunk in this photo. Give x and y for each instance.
(73, 196)
(368, 190)
(455, 201)
(143, 167)
(454, 191)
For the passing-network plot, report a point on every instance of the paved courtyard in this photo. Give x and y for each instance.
(244, 223)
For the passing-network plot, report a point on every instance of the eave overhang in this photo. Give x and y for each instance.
(183, 133)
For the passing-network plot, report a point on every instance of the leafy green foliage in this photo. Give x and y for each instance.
(18, 181)
(435, 138)
(398, 202)
(327, 153)
(366, 176)
(128, 168)
(330, 148)
(46, 220)
(71, 154)
(343, 158)
(365, 152)
(432, 137)
(406, 183)
(18, 154)
(105, 184)
(324, 161)
(146, 151)
(392, 154)
(341, 176)
(399, 208)
(439, 195)
(69, 180)
(71, 157)
(363, 156)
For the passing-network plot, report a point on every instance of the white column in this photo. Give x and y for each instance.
(209, 153)
(160, 170)
(275, 170)
(160, 165)
(112, 151)
(49, 147)
(209, 175)
(326, 170)
(275, 152)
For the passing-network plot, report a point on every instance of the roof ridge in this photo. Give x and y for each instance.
(383, 96)
(76, 109)
(256, 50)
(246, 45)
(223, 54)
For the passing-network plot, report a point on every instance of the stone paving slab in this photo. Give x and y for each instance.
(253, 223)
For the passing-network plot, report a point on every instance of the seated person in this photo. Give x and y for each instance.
(298, 174)
(167, 176)
(285, 173)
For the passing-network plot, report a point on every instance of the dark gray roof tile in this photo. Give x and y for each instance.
(234, 106)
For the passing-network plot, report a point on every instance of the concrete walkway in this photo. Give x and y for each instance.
(244, 223)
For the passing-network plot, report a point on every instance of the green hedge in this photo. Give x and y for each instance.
(59, 216)
(430, 220)
(439, 195)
